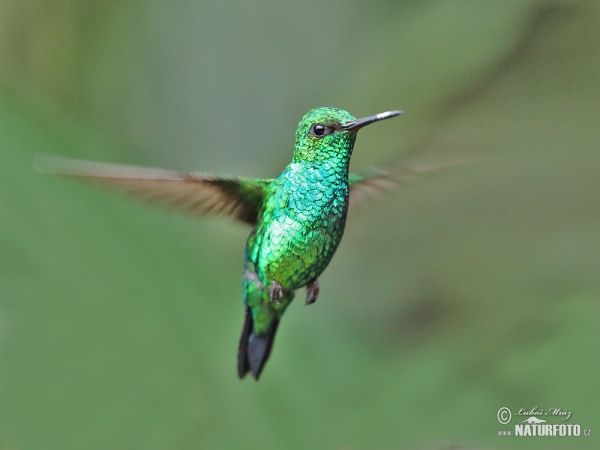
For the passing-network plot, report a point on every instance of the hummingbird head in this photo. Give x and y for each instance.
(326, 134)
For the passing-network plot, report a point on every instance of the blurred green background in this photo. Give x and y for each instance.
(475, 289)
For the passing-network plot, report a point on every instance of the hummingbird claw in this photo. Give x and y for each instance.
(276, 292)
(312, 292)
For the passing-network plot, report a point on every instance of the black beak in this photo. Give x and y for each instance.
(355, 125)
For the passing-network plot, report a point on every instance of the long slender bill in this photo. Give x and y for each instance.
(357, 124)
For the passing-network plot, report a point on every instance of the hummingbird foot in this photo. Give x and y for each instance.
(276, 292)
(312, 291)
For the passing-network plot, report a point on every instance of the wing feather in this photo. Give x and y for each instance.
(198, 193)
(369, 184)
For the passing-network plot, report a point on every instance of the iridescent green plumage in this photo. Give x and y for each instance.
(299, 228)
(303, 217)
(298, 218)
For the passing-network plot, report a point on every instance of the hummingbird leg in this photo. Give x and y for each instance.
(276, 292)
(312, 291)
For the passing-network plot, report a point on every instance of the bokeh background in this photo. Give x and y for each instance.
(473, 289)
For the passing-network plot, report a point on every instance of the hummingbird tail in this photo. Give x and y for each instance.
(254, 351)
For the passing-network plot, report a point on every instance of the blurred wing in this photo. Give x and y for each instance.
(240, 198)
(371, 183)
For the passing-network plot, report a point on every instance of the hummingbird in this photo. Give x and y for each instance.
(297, 219)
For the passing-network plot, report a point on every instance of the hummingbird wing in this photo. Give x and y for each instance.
(372, 182)
(198, 193)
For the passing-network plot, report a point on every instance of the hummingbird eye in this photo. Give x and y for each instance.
(319, 130)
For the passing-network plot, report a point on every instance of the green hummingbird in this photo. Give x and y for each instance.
(297, 219)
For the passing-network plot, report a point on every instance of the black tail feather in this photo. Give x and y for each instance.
(259, 349)
(243, 363)
(254, 351)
